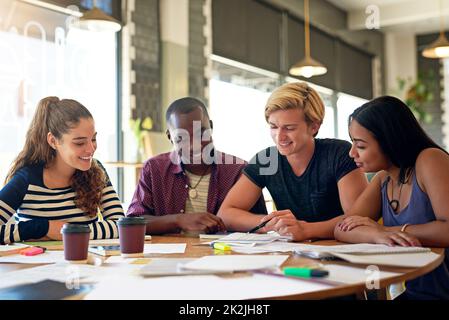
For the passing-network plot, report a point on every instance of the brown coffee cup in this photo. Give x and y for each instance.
(75, 238)
(131, 232)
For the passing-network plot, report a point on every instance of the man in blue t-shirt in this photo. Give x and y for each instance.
(312, 181)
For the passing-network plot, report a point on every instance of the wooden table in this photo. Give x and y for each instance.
(194, 250)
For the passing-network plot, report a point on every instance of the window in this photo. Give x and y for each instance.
(346, 104)
(41, 56)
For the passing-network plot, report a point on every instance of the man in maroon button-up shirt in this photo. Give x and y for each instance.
(164, 193)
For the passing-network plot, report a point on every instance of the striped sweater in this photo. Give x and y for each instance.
(26, 206)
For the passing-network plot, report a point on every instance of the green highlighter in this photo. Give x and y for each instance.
(304, 272)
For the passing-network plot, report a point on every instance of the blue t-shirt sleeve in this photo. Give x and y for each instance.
(11, 198)
(343, 163)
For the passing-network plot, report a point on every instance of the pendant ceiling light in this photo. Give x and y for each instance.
(307, 67)
(440, 47)
(97, 20)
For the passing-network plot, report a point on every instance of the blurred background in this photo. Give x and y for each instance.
(126, 60)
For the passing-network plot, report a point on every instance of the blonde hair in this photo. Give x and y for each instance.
(58, 117)
(296, 95)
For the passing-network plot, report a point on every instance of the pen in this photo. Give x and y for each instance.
(304, 272)
(258, 227)
(313, 280)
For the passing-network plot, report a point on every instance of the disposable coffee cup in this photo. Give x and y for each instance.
(75, 238)
(131, 232)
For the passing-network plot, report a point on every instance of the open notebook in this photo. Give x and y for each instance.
(327, 252)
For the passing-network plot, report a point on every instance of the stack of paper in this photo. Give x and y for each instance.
(314, 251)
(252, 238)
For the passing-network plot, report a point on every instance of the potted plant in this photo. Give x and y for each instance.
(417, 94)
(140, 129)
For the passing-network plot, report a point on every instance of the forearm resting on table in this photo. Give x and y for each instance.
(431, 234)
(162, 224)
(322, 230)
(238, 219)
(360, 234)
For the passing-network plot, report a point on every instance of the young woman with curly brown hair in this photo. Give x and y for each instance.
(55, 179)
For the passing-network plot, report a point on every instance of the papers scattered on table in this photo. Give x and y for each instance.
(164, 248)
(236, 262)
(12, 248)
(65, 272)
(353, 274)
(110, 242)
(202, 287)
(211, 236)
(314, 251)
(409, 260)
(159, 267)
(252, 238)
(44, 258)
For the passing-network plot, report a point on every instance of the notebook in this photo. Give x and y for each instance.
(328, 252)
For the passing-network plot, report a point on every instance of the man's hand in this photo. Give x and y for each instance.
(204, 222)
(285, 223)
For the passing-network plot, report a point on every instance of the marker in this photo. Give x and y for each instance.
(32, 251)
(221, 246)
(304, 272)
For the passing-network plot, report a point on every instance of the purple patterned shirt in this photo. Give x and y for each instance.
(163, 185)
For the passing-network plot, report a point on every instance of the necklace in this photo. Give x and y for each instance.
(394, 203)
(192, 190)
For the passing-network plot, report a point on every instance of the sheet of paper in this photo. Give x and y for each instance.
(277, 246)
(121, 260)
(64, 272)
(253, 238)
(111, 242)
(164, 248)
(44, 258)
(361, 248)
(352, 275)
(201, 287)
(12, 248)
(158, 267)
(236, 262)
(412, 260)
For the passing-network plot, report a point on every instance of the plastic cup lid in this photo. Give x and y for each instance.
(75, 228)
(131, 221)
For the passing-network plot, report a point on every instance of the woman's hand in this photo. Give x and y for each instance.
(392, 238)
(54, 229)
(349, 223)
